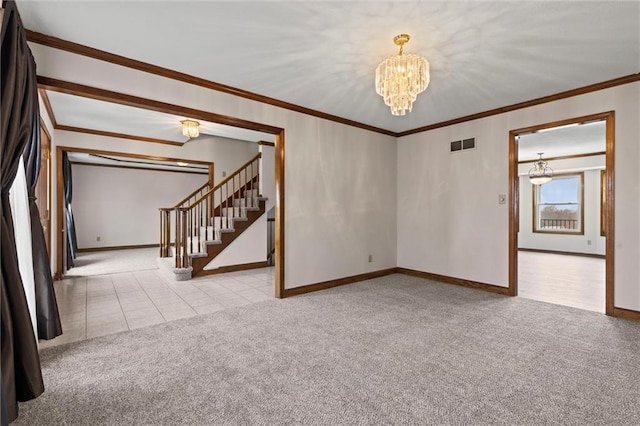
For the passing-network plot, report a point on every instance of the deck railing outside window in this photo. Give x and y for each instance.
(558, 224)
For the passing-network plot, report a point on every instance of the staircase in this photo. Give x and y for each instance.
(210, 219)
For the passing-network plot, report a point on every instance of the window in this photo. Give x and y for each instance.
(557, 205)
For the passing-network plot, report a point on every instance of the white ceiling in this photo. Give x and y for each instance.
(322, 55)
(556, 142)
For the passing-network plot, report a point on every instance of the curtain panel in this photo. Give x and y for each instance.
(72, 242)
(48, 318)
(19, 201)
(21, 373)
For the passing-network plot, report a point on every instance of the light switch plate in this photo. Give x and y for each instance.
(502, 199)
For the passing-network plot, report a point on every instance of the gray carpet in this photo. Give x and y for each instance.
(394, 350)
(113, 262)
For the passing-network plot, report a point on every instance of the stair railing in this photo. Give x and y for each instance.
(271, 241)
(207, 216)
(165, 217)
(194, 195)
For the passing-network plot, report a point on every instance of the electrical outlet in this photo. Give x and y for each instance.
(370, 258)
(97, 238)
(502, 199)
(588, 242)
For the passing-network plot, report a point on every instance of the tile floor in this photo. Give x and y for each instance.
(98, 305)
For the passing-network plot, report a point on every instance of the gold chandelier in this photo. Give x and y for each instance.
(400, 78)
(190, 128)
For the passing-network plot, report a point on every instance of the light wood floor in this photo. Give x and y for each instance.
(575, 281)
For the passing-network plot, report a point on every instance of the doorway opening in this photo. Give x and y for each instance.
(114, 98)
(114, 302)
(561, 246)
(95, 216)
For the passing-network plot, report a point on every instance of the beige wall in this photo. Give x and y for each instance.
(121, 205)
(350, 192)
(340, 181)
(449, 219)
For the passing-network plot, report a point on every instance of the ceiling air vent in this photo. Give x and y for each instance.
(463, 145)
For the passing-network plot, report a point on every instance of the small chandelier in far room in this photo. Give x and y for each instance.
(540, 173)
(190, 128)
(400, 78)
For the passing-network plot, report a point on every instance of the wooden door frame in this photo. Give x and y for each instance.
(135, 101)
(44, 129)
(60, 150)
(609, 119)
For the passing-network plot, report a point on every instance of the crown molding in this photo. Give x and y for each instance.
(526, 104)
(79, 49)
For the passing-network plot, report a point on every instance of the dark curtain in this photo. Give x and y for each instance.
(72, 242)
(47, 315)
(21, 373)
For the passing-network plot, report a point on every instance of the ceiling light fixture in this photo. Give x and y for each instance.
(540, 173)
(400, 78)
(190, 128)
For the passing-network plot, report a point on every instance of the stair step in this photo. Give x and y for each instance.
(202, 250)
(246, 202)
(222, 222)
(209, 233)
(199, 254)
(235, 212)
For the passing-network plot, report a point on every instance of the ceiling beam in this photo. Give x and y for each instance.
(132, 155)
(138, 102)
(116, 135)
(154, 169)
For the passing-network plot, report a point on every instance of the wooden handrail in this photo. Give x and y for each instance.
(238, 170)
(204, 185)
(223, 181)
